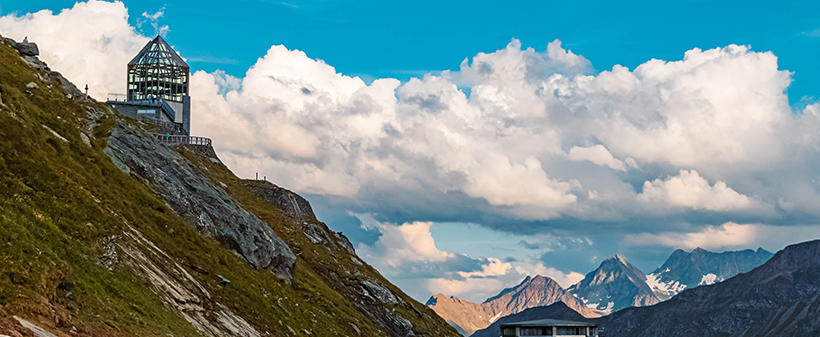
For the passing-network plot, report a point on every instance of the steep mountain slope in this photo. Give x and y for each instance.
(558, 310)
(779, 298)
(468, 317)
(106, 232)
(688, 270)
(615, 285)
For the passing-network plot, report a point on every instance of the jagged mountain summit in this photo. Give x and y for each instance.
(467, 317)
(109, 230)
(615, 285)
(700, 267)
(779, 298)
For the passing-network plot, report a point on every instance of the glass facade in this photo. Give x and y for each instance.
(157, 71)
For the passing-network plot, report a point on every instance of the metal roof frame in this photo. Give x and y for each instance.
(158, 51)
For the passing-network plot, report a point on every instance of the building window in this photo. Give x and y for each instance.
(146, 111)
(508, 332)
(571, 331)
(540, 331)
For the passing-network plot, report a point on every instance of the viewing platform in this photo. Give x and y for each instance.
(182, 139)
(157, 109)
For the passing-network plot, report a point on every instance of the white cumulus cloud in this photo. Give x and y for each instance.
(91, 43)
(597, 154)
(727, 235)
(689, 189)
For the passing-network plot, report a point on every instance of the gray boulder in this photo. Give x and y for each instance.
(28, 49)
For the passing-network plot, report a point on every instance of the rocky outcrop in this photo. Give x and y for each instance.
(615, 285)
(193, 196)
(467, 317)
(779, 298)
(28, 52)
(684, 270)
(28, 49)
(288, 202)
(298, 209)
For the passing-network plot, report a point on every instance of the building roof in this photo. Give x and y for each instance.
(158, 51)
(547, 322)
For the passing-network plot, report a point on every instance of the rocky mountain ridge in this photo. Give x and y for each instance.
(467, 317)
(779, 298)
(701, 267)
(614, 285)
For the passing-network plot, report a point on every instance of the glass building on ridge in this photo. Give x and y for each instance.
(157, 87)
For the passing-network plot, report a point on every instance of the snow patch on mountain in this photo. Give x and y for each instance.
(665, 289)
(609, 307)
(708, 279)
(496, 317)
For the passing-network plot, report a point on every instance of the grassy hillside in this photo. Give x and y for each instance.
(62, 201)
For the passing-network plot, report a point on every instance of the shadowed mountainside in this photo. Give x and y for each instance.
(684, 270)
(779, 298)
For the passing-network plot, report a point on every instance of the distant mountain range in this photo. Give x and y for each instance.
(779, 298)
(615, 285)
(700, 267)
(468, 317)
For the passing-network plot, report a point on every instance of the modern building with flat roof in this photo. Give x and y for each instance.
(549, 327)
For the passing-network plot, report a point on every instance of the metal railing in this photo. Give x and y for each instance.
(164, 126)
(157, 101)
(182, 140)
(117, 97)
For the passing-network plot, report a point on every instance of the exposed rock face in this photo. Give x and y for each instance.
(298, 208)
(36, 330)
(285, 200)
(779, 298)
(615, 285)
(559, 310)
(28, 49)
(178, 289)
(700, 267)
(467, 317)
(199, 201)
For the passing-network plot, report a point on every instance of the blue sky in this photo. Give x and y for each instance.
(401, 39)
(540, 154)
